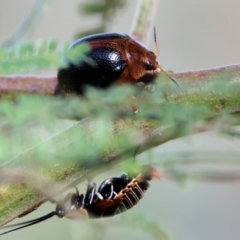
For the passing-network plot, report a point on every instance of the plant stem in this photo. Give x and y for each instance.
(142, 25)
(46, 85)
(33, 84)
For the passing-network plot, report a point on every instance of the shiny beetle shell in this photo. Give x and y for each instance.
(114, 58)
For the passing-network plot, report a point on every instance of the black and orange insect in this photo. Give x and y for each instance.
(115, 195)
(114, 58)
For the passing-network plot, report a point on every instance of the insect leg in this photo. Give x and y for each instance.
(75, 200)
(90, 193)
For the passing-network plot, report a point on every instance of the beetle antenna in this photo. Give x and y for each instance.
(158, 53)
(28, 223)
(172, 79)
(155, 41)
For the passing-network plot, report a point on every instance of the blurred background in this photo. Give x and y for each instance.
(192, 34)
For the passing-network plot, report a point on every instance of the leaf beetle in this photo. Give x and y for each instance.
(114, 58)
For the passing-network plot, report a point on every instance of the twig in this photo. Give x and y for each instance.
(229, 73)
(142, 26)
(33, 84)
(46, 85)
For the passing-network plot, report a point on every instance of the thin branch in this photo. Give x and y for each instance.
(229, 73)
(142, 25)
(33, 84)
(46, 85)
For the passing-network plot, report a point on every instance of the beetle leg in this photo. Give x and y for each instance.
(112, 193)
(77, 200)
(99, 196)
(90, 193)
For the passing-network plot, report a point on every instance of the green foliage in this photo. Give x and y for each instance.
(29, 57)
(41, 56)
(76, 54)
(33, 112)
